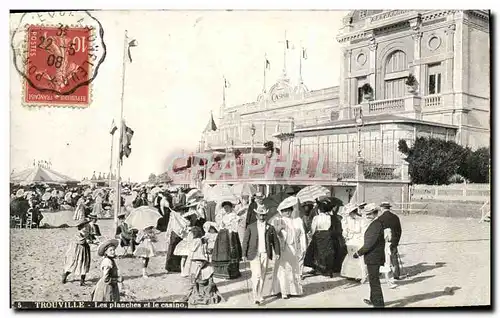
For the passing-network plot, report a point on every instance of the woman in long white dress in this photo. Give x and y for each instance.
(353, 234)
(287, 273)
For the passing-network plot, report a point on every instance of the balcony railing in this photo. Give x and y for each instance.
(432, 101)
(387, 105)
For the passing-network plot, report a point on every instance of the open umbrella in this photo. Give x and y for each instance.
(221, 193)
(155, 191)
(193, 194)
(241, 189)
(311, 193)
(46, 196)
(143, 217)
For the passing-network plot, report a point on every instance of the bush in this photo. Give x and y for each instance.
(478, 166)
(433, 161)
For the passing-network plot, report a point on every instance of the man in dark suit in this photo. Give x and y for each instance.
(258, 244)
(391, 221)
(374, 254)
(256, 202)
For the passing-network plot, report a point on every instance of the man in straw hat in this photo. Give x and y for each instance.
(391, 221)
(373, 251)
(258, 244)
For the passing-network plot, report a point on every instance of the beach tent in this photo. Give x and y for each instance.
(40, 174)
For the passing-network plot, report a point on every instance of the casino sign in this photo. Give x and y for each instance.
(279, 91)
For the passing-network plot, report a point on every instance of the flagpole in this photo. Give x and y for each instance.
(284, 57)
(265, 66)
(300, 64)
(111, 160)
(118, 178)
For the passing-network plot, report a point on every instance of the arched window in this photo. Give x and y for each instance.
(396, 71)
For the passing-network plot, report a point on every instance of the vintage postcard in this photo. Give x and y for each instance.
(170, 159)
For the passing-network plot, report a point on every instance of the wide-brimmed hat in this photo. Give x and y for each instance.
(370, 209)
(122, 215)
(350, 208)
(208, 225)
(82, 223)
(308, 202)
(20, 193)
(104, 246)
(189, 213)
(261, 210)
(385, 205)
(289, 202)
(224, 203)
(192, 203)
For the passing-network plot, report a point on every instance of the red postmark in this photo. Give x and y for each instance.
(58, 69)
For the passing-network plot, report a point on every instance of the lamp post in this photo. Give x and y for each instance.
(358, 115)
(252, 133)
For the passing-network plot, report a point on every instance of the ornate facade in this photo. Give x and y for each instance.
(404, 74)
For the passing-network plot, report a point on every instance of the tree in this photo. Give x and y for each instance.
(432, 161)
(152, 178)
(477, 166)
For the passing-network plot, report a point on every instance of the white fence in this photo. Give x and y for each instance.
(458, 191)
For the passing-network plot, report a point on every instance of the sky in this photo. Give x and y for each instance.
(171, 86)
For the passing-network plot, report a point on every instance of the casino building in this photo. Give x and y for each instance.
(404, 74)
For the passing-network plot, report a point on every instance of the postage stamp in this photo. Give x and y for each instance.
(58, 56)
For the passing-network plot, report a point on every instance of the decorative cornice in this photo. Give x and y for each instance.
(479, 14)
(388, 14)
(360, 35)
(438, 14)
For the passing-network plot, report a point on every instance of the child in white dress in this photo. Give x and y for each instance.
(386, 269)
(146, 248)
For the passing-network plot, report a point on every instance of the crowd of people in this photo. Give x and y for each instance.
(206, 239)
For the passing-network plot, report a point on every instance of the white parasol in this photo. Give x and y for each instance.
(221, 193)
(311, 193)
(155, 191)
(193, 194)
(143, 217)
(46, 196)
(242, 189)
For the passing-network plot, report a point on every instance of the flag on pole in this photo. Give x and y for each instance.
(226, 83)
(113, 128)
(268, 64)
(125, 140)
(132, 43)
(304, 53)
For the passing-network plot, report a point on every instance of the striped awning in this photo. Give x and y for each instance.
(40, 174)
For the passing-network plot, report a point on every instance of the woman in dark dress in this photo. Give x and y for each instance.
(227, 251)
(324, 249)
